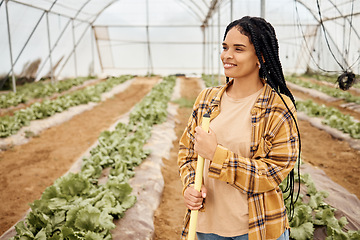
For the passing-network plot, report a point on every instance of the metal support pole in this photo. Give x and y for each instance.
(11, 55)
(208, 51)
(345, 52)
(74, 43)
(31, 34)
(92, 71)
(98, 50)
(262, 9)
(49, 44)
(231, 11)
(150, 67)
(203, 28)
(219, 45)
(212, 51)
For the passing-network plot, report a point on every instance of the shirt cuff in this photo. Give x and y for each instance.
(217, 163)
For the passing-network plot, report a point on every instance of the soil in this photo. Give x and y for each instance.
(168, 218)
(26, 170)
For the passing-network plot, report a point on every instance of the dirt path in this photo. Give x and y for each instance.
(168, 218)
(26, 170)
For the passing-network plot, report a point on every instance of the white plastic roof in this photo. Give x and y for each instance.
(111, 37)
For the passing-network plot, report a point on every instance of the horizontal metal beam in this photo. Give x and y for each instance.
(143, 26)
(128, 42)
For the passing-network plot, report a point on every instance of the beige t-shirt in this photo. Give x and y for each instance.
(226, 212)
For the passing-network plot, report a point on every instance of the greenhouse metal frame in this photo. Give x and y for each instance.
(311, 39)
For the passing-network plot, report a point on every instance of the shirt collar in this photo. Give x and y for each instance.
(261, 102)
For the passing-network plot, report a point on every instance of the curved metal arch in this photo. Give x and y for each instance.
(101, 11)
(197, 6)
(191, 10)
(212, 8)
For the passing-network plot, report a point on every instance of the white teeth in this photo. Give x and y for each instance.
(228, 65)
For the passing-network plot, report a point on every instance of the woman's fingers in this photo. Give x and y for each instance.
(193, 199)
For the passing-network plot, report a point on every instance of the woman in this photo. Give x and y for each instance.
(252, 143)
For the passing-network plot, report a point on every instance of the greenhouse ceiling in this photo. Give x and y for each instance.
(65, 38)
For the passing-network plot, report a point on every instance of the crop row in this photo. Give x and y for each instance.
(315, 212)
(210, 80)
(77, 206)
(10, 125)
(330, 78)
(38, 90)
(334, 92)
(332, 117)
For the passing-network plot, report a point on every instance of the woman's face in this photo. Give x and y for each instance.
(238, 56)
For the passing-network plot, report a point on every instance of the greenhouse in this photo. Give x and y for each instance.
(95, 96)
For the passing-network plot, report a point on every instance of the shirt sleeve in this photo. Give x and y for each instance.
(275, 157)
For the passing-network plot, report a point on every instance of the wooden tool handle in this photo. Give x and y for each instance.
(198, 181)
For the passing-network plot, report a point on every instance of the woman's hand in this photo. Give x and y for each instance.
(205, 143)
(194, 199)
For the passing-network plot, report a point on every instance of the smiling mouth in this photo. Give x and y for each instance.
(229, 65)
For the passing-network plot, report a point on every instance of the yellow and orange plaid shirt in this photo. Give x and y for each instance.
(274, 151)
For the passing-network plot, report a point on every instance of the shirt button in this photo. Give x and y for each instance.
(260, 173)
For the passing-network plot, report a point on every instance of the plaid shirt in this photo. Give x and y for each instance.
(274, 151)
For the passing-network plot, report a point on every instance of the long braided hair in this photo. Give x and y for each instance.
(262, 35)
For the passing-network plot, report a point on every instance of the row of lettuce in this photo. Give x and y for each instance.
(330, 115)
(40, 89)
(331, 91)
(10, 125)
(330, 78)
(77, 206)
(311, 211)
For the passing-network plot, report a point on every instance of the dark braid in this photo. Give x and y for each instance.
(262, 35)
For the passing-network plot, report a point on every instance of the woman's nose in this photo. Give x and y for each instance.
(228, 55)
